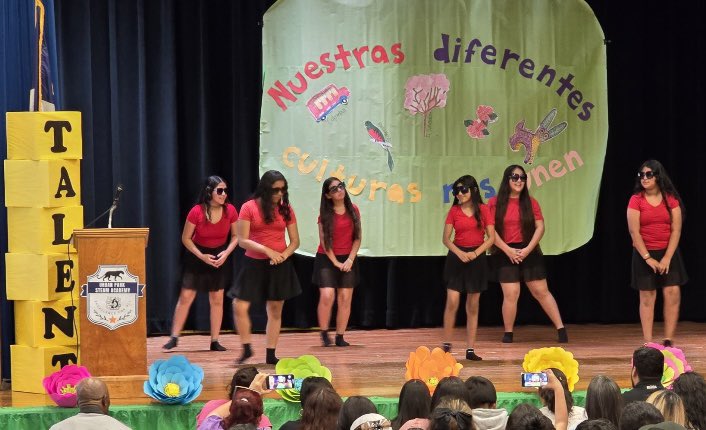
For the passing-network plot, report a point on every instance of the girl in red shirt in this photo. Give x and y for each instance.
(336, 265)
(466, 269)
(654, 222)
(267, 273)
(206, 265)
(520, 226)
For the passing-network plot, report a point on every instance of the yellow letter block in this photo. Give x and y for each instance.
(42, 183)
(44, 136)
(31, 365)
(42, 230)
(46, 323)
(41, 277)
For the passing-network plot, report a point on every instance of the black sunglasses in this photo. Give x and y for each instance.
(221, 191)
(461, 189)
(276, 190)
(341, 186)
(516, 177)
(646, 175)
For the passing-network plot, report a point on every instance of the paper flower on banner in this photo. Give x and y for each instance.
(61, 385)
(431, 366)
(301, 367)
(674, 363)
(175, 381)
(543, 358)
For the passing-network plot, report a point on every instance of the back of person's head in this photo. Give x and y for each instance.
(648, 362)
(638, 414)
(598, 424)
(547, 396)
(321, 411)
(372, 421)
(670, 404)
(242, 377)
(450, 386)
(481, 393)
(243, 427)
(527, 417)
(354, 407)
(246, 408)
(452, 413)
(311, 385)
(414, 402)
(604, 400)
(691, 387)
(91, 392)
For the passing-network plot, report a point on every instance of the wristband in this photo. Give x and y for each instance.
(646, 256)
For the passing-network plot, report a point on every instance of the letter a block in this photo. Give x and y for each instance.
(46, 323)
(44, 136)
(31, 365)
(43, 183)
(41, 277)
(42, 231)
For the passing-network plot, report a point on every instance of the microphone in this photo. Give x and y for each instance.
(118, 190)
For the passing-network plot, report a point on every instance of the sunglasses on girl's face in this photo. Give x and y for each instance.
(221, 191)
(646, 175)
(462, 189)
(276, 190)
(340, 187)
(517, 177)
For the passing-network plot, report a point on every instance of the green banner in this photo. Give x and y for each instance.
(398, 98)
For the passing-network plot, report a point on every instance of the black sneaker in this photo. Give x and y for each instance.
(446, 346)
(471, 355)
(215, 346)
(667, 342)
(325, 338)
(340, 341)
(562, 335)
(172, 343)
(507, 337)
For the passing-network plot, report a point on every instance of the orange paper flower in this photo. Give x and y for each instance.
(431, 366)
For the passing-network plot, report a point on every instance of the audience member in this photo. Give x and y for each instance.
(321, 410)
(450, 386)
(413, 406)
(527, 417)
(245, 408)
(353, 408)
(452, 413)
(639, 413)
(646, 375)
(665, 425)
(372, 421)
(597, 424)
(482, 398)
(670, 404)
(691, 387)
(576, 413)
(93, 405)
(604, 400)
(310, 385)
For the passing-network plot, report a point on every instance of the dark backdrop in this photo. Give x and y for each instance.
(170, 92)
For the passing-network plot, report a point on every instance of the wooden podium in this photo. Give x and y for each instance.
(112, 279)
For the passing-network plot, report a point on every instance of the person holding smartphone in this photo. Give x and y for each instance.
(336, 263)
(209, 237)
(520, 226)
(267, 273)
(466, 270)
(655, 221)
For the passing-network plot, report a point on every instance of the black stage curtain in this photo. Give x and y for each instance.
(170, 92)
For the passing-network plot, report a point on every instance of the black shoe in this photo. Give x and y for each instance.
(667, 342)
(325, 338)
(340, 341)
(507, 337)
(270, 356)
(471, 355)
(173, 341)
(215, 346)
(446, 346)
(247, 353)
(562, 335)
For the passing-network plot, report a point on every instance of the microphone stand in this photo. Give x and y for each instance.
(110, 213)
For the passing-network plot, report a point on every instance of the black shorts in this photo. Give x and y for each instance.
(326, 275)
(259, 281)
(505, 271)
(199, 276)
(644, 279)
(471, 277)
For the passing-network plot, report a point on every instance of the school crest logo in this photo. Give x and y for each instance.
(111, 296)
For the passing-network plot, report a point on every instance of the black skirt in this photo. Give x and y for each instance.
(326, 275)
(259, 281)
(199, 276)
(644, 279)
(471, 277)
(532, 268)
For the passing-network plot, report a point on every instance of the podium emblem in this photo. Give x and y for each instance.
(111, 296)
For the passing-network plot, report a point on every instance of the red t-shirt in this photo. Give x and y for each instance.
(270, 235)
(207, 233)
(655, 224)
(342, 242)
(467, 232)
(512, 226)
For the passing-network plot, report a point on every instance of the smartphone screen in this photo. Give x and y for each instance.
(536, 379)
(280, 382)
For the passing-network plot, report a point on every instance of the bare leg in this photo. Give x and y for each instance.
(472, 302)
(215, 300)
(186, 298)
(326, 297)
(452, 299)
(274, 321)
(647, 313)
(511, 293)
(540, 291)
(672, 301)
(242, 319)
(345, 297)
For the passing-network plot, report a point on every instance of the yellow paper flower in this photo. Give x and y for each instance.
(431, 366)
(543, 358)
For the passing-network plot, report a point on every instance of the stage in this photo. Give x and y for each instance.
(374, 364)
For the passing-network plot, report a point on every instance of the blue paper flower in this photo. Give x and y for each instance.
(174, 381)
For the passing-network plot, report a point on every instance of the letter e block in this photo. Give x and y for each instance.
(46, 323)
(40, 277)
(42, 230)
(43, 183)
(44, 136)
(31, 365)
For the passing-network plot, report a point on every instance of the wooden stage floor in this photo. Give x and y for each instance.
(374, 364)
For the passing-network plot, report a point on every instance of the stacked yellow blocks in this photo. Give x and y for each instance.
(43, 199)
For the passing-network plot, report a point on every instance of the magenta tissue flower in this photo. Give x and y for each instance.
(61, 385)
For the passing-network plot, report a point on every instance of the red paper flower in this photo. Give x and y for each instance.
(61, 385)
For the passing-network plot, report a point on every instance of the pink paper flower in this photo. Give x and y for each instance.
(674, 363)
(485, 113)
(477, 129)
(61, 385)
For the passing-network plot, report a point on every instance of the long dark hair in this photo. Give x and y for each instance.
(354, 407)
(604, 400)
(414, 402)
(526, 212)
(476, 199)
(206, 194)
(326, 213)
(321, 410)
(666, 187)
(548, 395)
(691, 387)
(264, 193)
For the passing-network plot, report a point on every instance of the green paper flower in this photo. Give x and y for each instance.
(301, 367)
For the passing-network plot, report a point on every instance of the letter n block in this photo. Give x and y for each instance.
(42, 183)
(46, 323)
(44, 135)
(42, 230)
(31, 365)
(41, 277)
